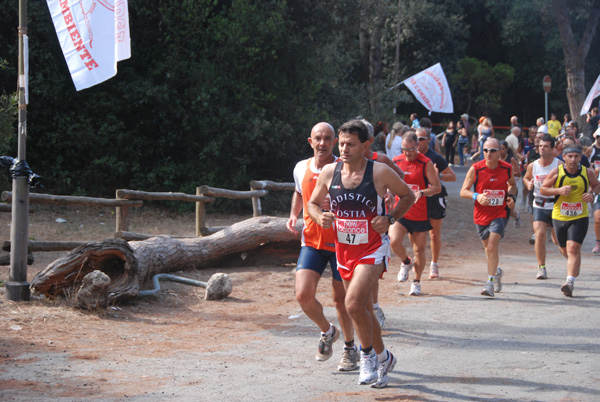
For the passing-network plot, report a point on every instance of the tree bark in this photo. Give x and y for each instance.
(575, 54)
(129, 265)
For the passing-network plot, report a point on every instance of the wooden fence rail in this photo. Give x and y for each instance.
(126, 199)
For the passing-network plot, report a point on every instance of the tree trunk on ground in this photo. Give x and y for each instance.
(575, 54)
(129, 265)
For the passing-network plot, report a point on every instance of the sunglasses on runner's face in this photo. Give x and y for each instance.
(423, 138)
(408, 149)
(490, 150)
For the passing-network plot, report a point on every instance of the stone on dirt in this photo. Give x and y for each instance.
(218, 286)
(93, 293)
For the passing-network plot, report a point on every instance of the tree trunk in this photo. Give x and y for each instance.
(129, 265)
(575, 54)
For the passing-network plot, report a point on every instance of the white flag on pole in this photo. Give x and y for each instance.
(594, 93)
(430, 87)
(93, 35)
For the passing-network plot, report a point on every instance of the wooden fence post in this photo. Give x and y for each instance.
(122, 217)
(200, 214)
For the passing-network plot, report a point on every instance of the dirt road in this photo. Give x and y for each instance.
(529, 343)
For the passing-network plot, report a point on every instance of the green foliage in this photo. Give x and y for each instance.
(221, 92)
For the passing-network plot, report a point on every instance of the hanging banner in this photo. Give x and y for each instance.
(594, 93)
(430, 87)
(93, 35)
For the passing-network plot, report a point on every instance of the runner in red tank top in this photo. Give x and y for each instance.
(494, 197)
(421, 177)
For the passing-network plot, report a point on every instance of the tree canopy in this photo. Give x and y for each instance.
(221, 92)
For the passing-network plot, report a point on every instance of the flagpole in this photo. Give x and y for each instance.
(17, 288)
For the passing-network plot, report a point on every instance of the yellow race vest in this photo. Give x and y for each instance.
(571, 207)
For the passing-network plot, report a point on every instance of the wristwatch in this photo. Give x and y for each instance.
(391, 219)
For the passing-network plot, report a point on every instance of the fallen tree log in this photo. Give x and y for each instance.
(131, 264)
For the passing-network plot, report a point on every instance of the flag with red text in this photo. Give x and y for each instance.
(430, 87)
(594, 93)
(93, 35)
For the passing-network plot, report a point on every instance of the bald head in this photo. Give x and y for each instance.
(516, 130)
(492, 143)
(323, 127)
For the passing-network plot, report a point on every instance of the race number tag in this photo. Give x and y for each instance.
(495, 197)
(597, 164)
(352, 232)
(571, 208)
(414, 187)
(538, 179)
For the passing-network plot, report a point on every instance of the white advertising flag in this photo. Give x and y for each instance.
(594, 93)
(430, 87)
(93, 35)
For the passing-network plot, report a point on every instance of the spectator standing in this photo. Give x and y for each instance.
(415, 121)
(393, 142)
(381, 131)
(592, 119)
(463, 141)
(554, 126)
(450, 139)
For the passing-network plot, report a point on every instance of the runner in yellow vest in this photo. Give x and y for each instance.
(573, 186)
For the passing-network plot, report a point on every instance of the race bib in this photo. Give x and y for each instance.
(538, 179)
(571, 208)
(495, 197)
(597, 164)
(350, 231)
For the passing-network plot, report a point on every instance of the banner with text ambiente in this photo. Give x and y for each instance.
(93, 35)
(594, 93)
(430, 87)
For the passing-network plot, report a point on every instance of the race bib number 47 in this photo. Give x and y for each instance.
(495, 197)
(350, 231)
(571, 208)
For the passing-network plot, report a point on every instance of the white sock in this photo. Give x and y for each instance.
(375, 305)
(434, 264)
(571, 279)
(383, 356)
(330, 330)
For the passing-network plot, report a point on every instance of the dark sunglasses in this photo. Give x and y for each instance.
(423, 138)
(490, 150)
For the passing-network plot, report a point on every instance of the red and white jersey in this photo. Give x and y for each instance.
(539, 174)
(416, 178)
(306, 174)
(494, 184)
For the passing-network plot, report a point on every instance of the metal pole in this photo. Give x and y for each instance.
(546, 104)
(17, 288)
(398, 46)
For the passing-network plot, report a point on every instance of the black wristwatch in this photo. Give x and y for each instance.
(391, 219)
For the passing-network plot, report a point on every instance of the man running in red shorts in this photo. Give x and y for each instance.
(356, 188)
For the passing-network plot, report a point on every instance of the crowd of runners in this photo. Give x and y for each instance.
(360, 206)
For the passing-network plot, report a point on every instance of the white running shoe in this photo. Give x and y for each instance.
(541, 273)
(380, 316)
(567, 288)
(532, 239)
(434, 271)
(325, 350)
(349, 360)
(383, 369)
(498, 281)
(488, 289)
(415, 289)
(368, 368)
(596, 249)
(404, 270)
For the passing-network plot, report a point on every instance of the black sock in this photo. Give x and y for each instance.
(349, 344)
(416, 280)
(367, 350)
(407, 261)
